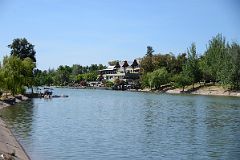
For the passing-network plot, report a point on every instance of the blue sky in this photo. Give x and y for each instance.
(85, 32)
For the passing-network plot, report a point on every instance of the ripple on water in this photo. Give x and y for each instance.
(98, 124)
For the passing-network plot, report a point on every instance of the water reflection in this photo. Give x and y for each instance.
(20, 117)
(94, 124)
(222, 121)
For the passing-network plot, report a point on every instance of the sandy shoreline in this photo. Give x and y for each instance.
(211, 90)
(10, 148)
(208, 91)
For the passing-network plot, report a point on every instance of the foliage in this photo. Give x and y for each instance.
(66, 75)
(109, 83)
(2, 83)
(147, 64)
(27, 72)
(181, 80)
(15, 74)
(234, 71)
(219, 63)
(149, 51)
(63, 75)
(155, 79)
(91, 76)
(213, 57)
(147, 61)
(191, 68)
(159, 77)
(113, 63)
(22, 48)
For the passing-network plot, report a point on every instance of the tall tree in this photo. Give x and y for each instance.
(191, 68)
(76, 69)
(27, 72)
(63, 75)
(181, 80)
(213, 58)
(149, 51)
(235, 61)
(160, 77)
(2, 83)
(22, 48)
(12, 73)
(147, 61)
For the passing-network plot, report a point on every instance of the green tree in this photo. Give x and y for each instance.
(93, 67)
(100, 67)
(79, 78)
(159, 77)
(77, 69)
(181, 80)
(191, 68)
(234, 51)
(2, 83)
(144, 80)
(91, 76)
(147, 61)
(63, 75)
(149, 51)
(12, 74)
(179, 63)
(213, 58)
(22, 48)
(27, 72)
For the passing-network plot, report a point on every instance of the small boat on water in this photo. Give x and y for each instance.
(48, 94)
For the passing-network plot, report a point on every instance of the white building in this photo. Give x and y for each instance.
(123, 70)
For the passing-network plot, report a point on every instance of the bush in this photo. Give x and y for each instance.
(109, 84)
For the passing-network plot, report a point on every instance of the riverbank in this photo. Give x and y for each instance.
(207, 90)
(10, 148)
(211, 90)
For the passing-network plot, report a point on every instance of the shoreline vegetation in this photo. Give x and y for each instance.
(219, 64)
(10, 148)
(214, 72)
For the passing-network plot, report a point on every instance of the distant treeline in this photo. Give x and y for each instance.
(220, 63)
(66, 75)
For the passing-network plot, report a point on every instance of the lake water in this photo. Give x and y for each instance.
(116, 125)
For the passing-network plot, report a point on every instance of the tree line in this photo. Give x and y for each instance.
(18, 70)
(220, 63)
(67, 75)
